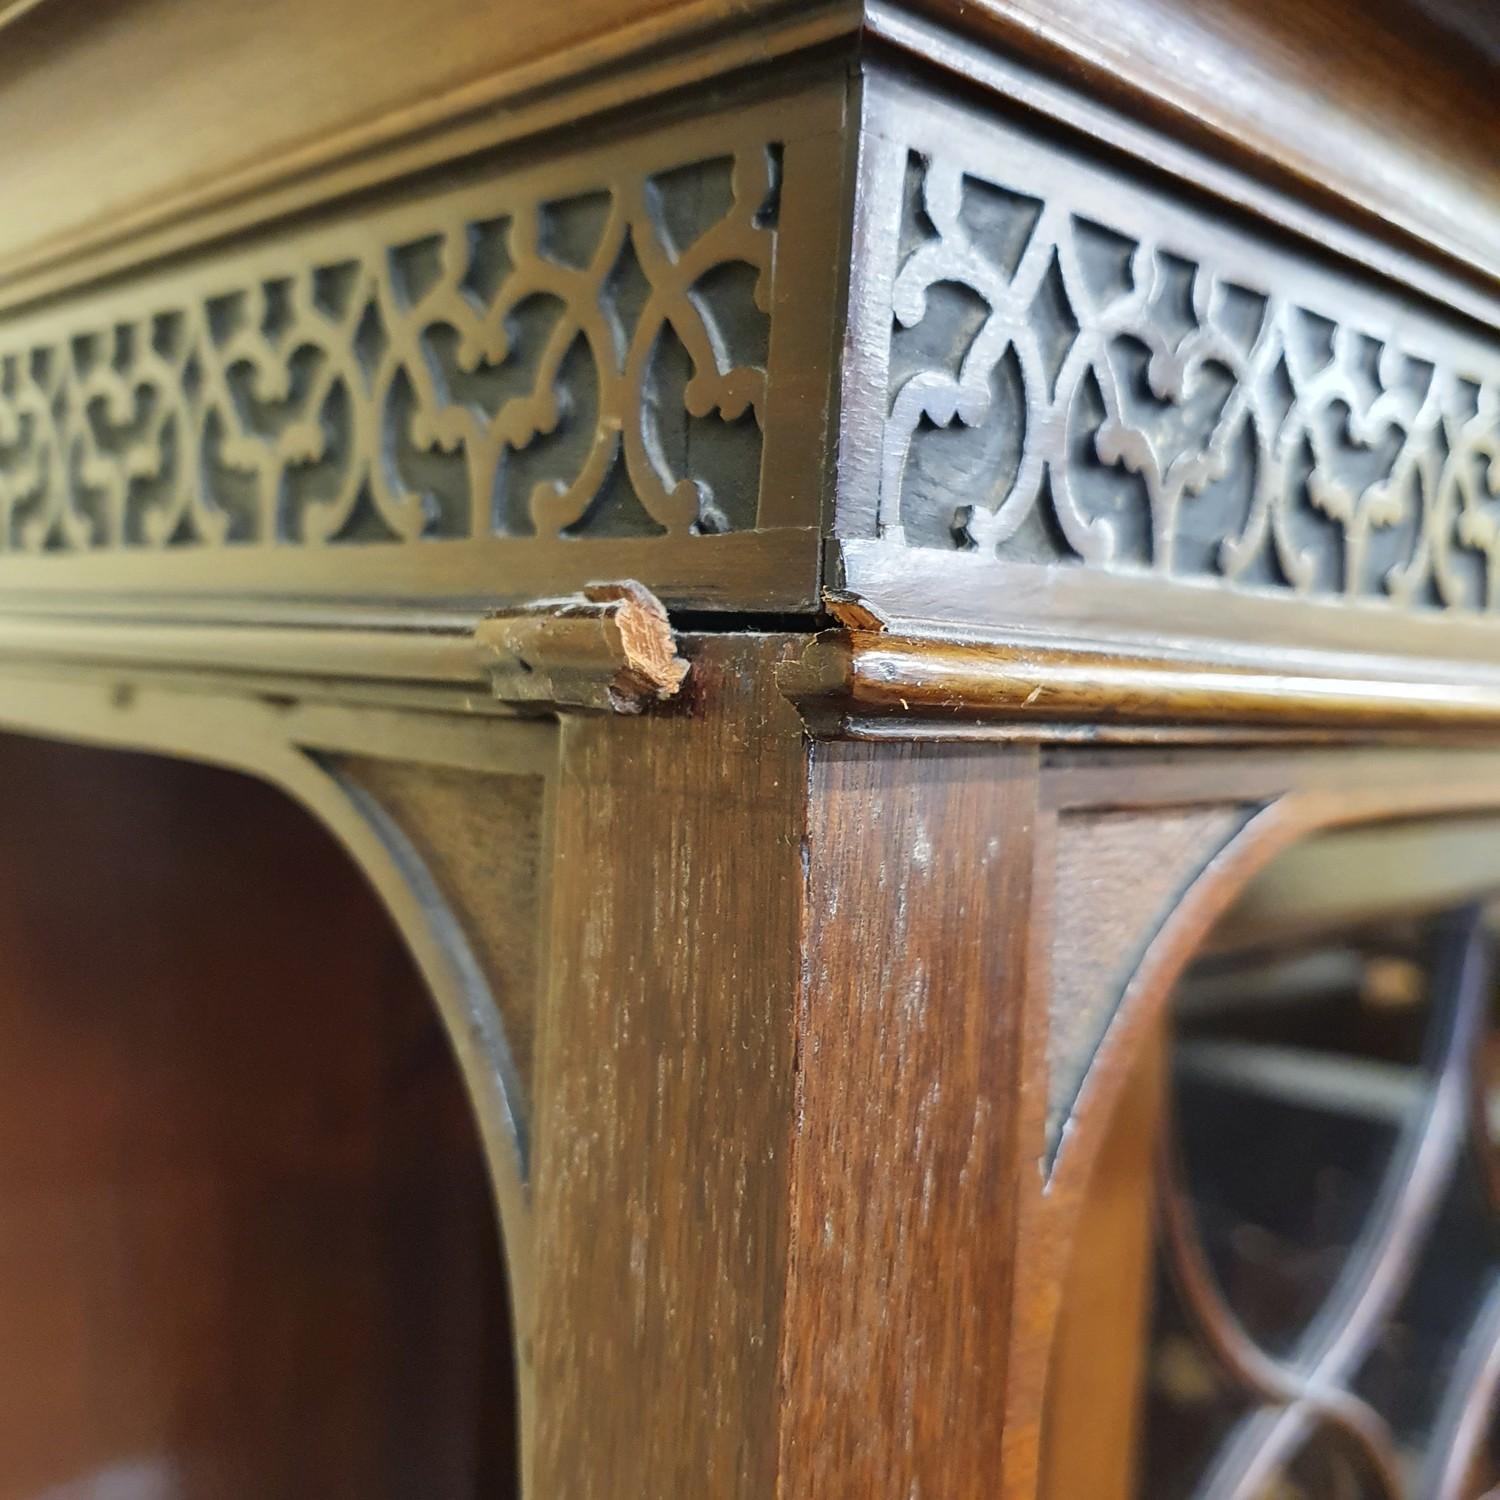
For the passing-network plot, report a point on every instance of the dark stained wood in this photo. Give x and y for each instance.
(665, 1070)
(231, 107)
(247, 1247)
(792, 1226)
(1108, 876)
(1304, 795)
(1307, 792)
(834, 978)
(1387, 109)
(1116, 875)
(896, 1328)
(1091, 1422)
(482, 839)
(1391, 107)
(845, 678)
(1139, 611)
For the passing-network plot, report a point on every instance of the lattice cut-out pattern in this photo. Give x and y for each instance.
(489, 361)
(1063, 390)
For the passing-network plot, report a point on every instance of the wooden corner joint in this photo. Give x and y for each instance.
(610, 648)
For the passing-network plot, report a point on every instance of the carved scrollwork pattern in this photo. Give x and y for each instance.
(491, 361)
(1063, 390)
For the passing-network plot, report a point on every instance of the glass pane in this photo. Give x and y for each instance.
(1327, 1313)
(1293, 1077)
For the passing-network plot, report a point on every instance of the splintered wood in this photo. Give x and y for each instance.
(610, 647)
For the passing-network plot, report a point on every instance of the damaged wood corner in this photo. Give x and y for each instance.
(609, 648)
(820, 680)
(853, 611)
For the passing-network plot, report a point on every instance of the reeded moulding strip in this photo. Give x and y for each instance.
(609, 648)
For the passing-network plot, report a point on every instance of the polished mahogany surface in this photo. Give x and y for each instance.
(247, 1248)
(1389, 106)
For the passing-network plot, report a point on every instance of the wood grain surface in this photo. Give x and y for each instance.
(1095, 1386)
(1391, 107)
(246, 97)
(482, 839)
(665, 1068)
(1388, 112)
(1116, 875)
(847, 680)
(898, 1299)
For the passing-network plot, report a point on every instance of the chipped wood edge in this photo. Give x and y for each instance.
(609, 648)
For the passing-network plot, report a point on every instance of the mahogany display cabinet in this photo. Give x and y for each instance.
(751, 750)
